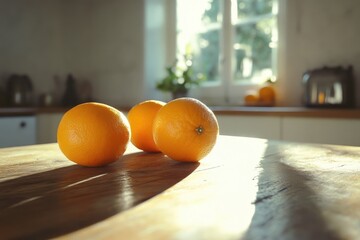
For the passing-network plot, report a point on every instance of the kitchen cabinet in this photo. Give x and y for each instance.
(250, 126)
(47, 124)
(17, 131)
(340, 131)
(322, 130)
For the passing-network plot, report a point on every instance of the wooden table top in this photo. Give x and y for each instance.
(245, 189)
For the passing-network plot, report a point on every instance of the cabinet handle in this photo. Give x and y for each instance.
(22, 124)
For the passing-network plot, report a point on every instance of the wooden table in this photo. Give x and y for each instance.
(245, 189)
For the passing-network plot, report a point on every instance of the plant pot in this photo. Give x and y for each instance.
(180, 94)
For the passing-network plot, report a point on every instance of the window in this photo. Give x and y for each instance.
(232, 42)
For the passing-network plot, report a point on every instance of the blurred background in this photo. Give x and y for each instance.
(122, 47)
(56, 53)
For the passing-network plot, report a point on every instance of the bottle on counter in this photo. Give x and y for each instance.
(70, 97)
(2, 97)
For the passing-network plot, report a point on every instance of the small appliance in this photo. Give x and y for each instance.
(19, 91)
(329, 87)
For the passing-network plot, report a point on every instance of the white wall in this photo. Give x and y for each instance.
(31, 40)
(317, 33)
(100, 41)
(109, 41)
(104, 44)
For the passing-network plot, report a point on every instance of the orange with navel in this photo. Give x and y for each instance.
(141, 118)
(93, 134)
(185, 129)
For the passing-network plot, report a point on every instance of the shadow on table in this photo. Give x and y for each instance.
(286, 205)
(63, 200)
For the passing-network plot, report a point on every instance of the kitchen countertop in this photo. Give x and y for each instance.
(245, 188)
(23, 111)
(221, 110)
(288, 111)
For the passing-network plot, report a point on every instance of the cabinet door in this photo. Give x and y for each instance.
(47, 127)
(322, 130)
(17, 131)
(250, 126)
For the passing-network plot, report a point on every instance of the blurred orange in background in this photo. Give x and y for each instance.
(251, 99)
(265, 96)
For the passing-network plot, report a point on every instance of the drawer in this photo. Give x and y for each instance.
(17, 131)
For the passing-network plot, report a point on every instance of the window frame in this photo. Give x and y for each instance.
(228, 90)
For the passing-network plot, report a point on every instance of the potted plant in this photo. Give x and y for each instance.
(179, 79)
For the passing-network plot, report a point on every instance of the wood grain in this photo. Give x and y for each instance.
(245, 189)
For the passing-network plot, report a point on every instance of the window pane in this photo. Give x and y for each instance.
(206, 59)
(212, 12)
(254, 50)
(198, 34)
(194, 15)
(248, 8)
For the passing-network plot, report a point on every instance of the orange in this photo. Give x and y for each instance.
(141, 118)
(93, 134)
(185, 129)
(251, 99)
(267, 94)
